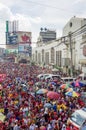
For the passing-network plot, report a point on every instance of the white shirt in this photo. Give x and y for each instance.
(63, 127)
(32, 127)
(49, 127)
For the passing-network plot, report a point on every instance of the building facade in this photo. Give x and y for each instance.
(68, 51)
(46, 35)
(77, 28)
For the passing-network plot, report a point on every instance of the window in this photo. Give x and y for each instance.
(70, 24)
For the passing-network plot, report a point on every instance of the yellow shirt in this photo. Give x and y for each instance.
(1, 110)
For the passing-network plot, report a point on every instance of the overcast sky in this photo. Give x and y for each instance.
(34, 14)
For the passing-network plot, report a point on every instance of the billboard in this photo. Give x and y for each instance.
(25, 48)
(8, 51)
(24, 37)
(11, 38)
(11, 32)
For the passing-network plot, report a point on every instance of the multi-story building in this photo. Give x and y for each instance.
(76, 30)
(68, 51)
(46, 35)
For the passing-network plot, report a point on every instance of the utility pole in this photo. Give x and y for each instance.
(71, 55)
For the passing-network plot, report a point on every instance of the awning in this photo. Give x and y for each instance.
(83, 61)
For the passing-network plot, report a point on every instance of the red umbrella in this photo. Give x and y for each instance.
(64, 86)
(52, 95)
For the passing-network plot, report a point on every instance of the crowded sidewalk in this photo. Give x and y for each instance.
(24, 108)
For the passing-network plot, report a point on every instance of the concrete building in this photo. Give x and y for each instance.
(68, 51)
(22, 47)
(46, 35)
(76, 29)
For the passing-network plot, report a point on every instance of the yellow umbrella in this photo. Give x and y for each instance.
(72, 94)
(2, 117)
(76, 94)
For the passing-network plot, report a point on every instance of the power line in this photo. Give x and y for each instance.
(61, 9)
(76, 33)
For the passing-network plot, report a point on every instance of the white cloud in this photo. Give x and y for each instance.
(32, 15)
(5, 13)
(25, 22)
(78, 1)
(36, 20)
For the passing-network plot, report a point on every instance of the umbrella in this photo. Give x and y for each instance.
(72, 94)
(65, 86)
(77, 84)
(2, 117)
(82, 84)
(52, 95)
(69, 89)
(48, 105)
(42, 91)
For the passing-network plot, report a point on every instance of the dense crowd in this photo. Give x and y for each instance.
(24, 109)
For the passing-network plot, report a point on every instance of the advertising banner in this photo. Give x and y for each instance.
(8, 51)
(24, 37)
(25, 48)
(11, 38)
